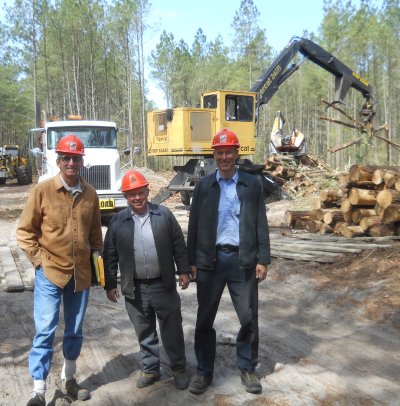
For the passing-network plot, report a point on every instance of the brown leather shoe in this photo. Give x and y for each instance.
(251, 382)
(74, 390)
(200, 384)
(147, 379)
(37, 400)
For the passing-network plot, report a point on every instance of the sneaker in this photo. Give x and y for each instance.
(146, 379)
(181, 379)
(37, 400)
(200, 384)
(251, 382)
(74, 390)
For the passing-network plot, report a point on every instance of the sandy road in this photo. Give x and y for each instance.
(329, 335)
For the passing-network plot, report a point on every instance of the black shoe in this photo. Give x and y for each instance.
(74, 390)
(146, 379)
(200, 384)
(181, 379)
(37, 400)
(251, 382)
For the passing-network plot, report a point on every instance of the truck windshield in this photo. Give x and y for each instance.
(92, 137)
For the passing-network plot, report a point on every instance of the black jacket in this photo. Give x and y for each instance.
(118, 249)
(253, 226)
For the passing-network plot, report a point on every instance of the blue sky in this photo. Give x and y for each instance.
(282, 20)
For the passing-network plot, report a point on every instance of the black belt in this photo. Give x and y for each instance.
(227, 247)
(148, 281)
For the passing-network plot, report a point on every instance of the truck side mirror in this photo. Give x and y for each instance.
(37, 152)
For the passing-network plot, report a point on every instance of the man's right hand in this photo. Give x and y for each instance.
(113, 295)
(194, 273)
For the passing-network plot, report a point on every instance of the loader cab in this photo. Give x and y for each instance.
(188, 131)
(236, 111)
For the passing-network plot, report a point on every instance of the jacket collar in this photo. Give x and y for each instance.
(241, 178)
(127, 213)
(59, 184)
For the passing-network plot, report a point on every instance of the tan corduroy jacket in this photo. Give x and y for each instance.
(58, 231)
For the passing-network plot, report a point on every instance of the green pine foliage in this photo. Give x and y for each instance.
(87, 57)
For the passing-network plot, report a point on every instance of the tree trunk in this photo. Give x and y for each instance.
(362, 197)
(387, 197)
(382, 230)
(346, 206)
(333, 216)
(292, 217)
(367, 222)
(351, 231)
(397, 184)
(360, 173)
(331, 196)
(325, 229)
(391, 214)
(358, 214)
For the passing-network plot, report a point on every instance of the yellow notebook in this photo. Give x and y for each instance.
(97, 269)
(100, 263)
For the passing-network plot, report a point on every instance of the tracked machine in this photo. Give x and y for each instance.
(188, 132)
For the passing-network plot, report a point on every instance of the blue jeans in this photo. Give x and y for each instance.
(47, 301)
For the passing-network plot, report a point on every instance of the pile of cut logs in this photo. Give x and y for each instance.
(367, 202)
(298, 176)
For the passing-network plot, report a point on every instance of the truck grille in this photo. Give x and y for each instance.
(98, 176)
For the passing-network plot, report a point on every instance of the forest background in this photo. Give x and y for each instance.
(87, 57)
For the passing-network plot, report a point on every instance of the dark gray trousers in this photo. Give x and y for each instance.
(152, 302)
(243, 289)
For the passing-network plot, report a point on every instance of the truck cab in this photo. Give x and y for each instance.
(102, 167)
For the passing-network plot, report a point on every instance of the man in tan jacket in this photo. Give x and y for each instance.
(59, 227)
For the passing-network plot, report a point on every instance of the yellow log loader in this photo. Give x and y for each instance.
(188, 131)
(14, 165)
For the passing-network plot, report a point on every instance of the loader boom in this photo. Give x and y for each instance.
(281, 69)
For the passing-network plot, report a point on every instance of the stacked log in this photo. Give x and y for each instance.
(367, 203)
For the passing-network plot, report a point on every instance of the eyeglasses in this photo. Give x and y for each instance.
(67, 158)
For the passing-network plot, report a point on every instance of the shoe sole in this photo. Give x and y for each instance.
(145, 385)
(255, 391)
(181, 387)
(198, 391)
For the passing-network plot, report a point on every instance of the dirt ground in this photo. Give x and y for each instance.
(329, 334)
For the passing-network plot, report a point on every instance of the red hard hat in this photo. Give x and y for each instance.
(225, 138)
(70, 144)
(133, 180)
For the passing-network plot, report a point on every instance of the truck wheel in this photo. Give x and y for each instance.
(24, 175)
(185, 197)
(3, 181)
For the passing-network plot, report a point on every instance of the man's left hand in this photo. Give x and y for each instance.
(261, 272)
(184, 280)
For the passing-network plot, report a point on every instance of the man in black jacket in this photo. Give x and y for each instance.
(228, 244)
(146, 241)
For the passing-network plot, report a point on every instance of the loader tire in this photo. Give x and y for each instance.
(24, 175)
